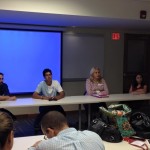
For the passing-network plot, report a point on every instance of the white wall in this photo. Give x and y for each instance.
(124, 9)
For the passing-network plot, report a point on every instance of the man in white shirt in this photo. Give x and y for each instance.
(48, 90)
(60, 137)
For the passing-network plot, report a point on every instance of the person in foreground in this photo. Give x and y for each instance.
(6, 131)
(48, 90)
(60, 137)
(5, 95)
(96, 84)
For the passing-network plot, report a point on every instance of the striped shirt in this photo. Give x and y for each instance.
(71, 139)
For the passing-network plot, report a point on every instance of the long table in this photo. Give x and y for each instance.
(70, 100)
(30, 102)
(23, 143)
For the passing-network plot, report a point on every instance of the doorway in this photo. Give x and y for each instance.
(136, 58)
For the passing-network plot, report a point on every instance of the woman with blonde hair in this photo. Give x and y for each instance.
(96, 84)
(6, 131)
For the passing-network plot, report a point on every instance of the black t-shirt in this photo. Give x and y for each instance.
(4, 89)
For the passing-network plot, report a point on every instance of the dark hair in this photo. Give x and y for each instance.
(1, 74)
(6, 126)
(53, 120)
(45, 71)
(134, 82)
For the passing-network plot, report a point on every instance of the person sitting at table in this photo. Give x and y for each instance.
(5, 95)
(48, 90)
(4, 91)
(6, 131)
(138, 86)
(59, 136)
(95, 84)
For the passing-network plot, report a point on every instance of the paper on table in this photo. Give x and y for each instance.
(100, 96)
(140, 144)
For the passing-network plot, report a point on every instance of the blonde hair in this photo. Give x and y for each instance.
(92, 71)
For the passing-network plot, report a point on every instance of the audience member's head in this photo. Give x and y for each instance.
(95, 74)
(6, 131)
(52, 123)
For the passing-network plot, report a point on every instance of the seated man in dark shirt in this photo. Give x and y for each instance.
(5, 95)
(4, 91)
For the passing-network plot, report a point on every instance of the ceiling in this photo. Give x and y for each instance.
(57, 20)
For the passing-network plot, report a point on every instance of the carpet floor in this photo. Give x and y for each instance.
(23, 126)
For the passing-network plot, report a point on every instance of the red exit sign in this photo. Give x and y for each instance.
(115, 36)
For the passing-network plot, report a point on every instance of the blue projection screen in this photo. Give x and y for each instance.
(24, 55)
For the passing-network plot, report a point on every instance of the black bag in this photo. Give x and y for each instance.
(141, 124)
(140, 121)
(107, 132)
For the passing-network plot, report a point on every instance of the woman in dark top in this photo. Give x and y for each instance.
(138, 86)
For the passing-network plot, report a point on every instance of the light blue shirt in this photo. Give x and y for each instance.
(46, 90)
(71, 139)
